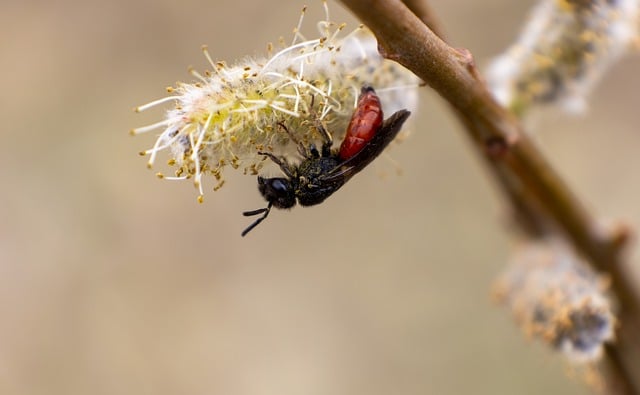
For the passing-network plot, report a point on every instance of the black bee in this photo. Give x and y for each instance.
(322, 173)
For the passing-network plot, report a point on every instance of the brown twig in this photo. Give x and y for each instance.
(538, 195)
(423, 11)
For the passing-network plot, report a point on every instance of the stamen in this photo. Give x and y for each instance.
(284, 110)
(207, 55)
(199, 76)
(157, 148)
(296, 30)
(155, 103)
(148, 128)
(288, 49)
(326, 10)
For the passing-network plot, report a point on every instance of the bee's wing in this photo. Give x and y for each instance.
(387, 132)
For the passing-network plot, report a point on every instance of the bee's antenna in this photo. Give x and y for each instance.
(251, 213)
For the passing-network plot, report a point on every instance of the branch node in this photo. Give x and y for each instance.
(465, 57)
(385, 53)
(620, 235)
(496, 147)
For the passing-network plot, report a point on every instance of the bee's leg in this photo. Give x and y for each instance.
(301, 148)
(264, 211)
(284, 166)
(328, 140)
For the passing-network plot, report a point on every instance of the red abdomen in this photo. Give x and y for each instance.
(365, 122)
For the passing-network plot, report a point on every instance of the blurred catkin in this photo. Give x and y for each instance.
(562, 52)
(557, 298)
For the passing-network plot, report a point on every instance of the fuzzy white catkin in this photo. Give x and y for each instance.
(562, 53)
(557, 298)
(233, 112)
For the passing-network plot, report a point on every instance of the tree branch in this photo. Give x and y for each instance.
(423, 11)
(541, 200)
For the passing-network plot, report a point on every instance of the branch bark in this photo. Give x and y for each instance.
(541, 200)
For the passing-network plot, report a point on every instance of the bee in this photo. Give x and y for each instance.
(321, 173)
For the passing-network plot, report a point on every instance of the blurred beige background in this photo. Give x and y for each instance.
(114, 282)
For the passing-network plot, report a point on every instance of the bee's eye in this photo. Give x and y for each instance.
(279, 185)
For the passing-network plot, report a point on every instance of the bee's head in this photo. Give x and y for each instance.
(278, 191)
